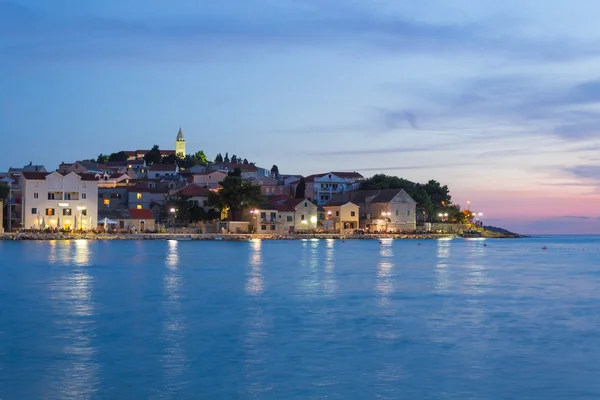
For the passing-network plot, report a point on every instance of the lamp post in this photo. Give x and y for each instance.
(81, 208)
(254, 214)
(173, 218)
(386, 216)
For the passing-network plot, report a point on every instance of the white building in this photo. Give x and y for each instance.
(323, 187)
(56, 200)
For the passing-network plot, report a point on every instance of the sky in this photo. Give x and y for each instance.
(498, 100)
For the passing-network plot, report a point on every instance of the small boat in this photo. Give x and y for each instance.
(218, 237)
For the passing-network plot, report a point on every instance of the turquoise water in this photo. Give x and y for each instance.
(301, 319)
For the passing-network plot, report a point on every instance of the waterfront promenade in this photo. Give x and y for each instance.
(212, 236)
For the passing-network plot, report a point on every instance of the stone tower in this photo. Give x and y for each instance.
(180, 144)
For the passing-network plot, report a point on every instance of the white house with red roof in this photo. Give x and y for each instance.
(249, 171)
(209, 179)
(163, 170)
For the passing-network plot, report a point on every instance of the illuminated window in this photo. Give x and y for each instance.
(106, 202)
(49, 211)
(139, 207)
(139, 195)
(66, 211)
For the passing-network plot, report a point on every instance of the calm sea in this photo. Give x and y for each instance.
(447, 319)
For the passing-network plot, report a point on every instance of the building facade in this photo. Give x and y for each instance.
(54, 200)
(342, 216)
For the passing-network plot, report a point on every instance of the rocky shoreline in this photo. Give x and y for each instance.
(216, 237)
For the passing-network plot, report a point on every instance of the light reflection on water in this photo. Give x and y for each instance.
(443, 280)
(174, 323)
(254, 278)
(73, 305)
(330, 281)
(256, 325)
(447, 320)
(384, 270)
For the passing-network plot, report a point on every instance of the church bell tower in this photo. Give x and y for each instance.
(180, 144)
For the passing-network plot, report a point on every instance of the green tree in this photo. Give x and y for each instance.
(120, 156)
(301, 189)
(440, 195)
(200, 158)
(245, 161)
(226, 158)
(153, 156)
(102, 158)
(170, 159)
(4, 191)
(275, 171)
(181, 205)
(218, 159)
(235, 195)
(234, 159)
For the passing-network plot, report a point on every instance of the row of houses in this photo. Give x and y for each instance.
(82, 194)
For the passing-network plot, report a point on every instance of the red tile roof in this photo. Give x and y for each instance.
(242, 167)
(35, 176)
(193, 190)
(40, 176)
(144, 213)
(147, 190)
(279, 199)
(163, 167)
(283, 207)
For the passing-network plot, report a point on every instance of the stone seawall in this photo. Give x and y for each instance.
(236, 237)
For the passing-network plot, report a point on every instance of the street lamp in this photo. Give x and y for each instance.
(172, 210)
(254, 214)
(80, 208)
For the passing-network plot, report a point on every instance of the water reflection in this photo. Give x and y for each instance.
(174, 325)
(329, 282)
(254, 278)
(384, 284)
(309, 265)
(82, 253)
(475, 280)
(442, 273)
(255, 325)
(74, 308)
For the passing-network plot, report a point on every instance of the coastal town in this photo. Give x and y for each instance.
(170, 191)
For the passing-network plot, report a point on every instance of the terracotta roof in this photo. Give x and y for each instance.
(266, 206)
(193, 190)
(35, 176)
(163, 167)
(336, 203)
(283, 207)
(116, 163)
(147, 190)
(347, 174)
(40, 176)
(144, 213)
(278, 199)
(372, 196)
(242, 167)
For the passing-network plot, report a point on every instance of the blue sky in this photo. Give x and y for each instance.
(499, 100)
